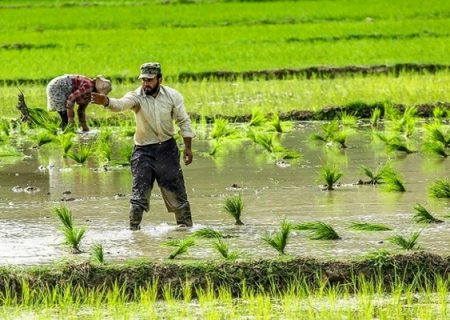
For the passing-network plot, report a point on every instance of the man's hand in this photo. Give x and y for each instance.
(187, 156)
(99, 98)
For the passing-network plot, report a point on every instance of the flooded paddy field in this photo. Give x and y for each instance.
(32, 188)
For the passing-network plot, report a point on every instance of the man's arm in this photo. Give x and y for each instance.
(127, 102)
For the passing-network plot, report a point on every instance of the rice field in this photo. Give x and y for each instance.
(197, 41)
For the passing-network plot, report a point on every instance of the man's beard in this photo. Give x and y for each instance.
(150, 91)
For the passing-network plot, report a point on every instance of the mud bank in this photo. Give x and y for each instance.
(260, 276)
(312, 72)
(359, 109)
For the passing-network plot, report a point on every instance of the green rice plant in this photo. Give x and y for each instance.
(268, 141)
(9, 151)
(438, 133)
(224, 250)
(5, 127)
(234, 205)
(439, 113)
(435, 148)
(103, 149)
(376, 177)
(347, 119)
(320, 230)
(125, 150)
(66, 141)
(331, 133)
(207, 233)
(440, 189)
(65, 216)
(72, 235)
(340, 138)
(41, 119)
(409, 243)
(391, 113)
(375, 118)
(181, 246)
(258, 118)
(328, 130)
(331, 175)
(215, 147)
(398, 144)
(221, 129)
(98, 254)
(83, 153)
(380, 258)
(275, 122)
(365, 226)
(423, 215)
(42, 137)
(392, 181)
(279, 239)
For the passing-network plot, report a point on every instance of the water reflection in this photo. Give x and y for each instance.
(29, 231)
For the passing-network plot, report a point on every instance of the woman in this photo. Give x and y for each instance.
(64, 91)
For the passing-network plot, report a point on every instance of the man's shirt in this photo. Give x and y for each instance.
(155, 115)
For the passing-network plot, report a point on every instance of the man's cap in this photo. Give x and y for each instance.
(102, 85)
(150, 70)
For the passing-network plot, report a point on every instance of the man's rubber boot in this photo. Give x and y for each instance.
(184, 218)
(136, 214)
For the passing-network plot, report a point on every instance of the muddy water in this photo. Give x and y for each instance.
(30, 233)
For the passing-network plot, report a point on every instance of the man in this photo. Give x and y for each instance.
(156, 155)
(64, 91)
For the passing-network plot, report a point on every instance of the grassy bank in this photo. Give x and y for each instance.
(239, 98)
(382, 287)
(270, 276)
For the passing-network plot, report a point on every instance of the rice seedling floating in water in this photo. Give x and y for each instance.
(234, 206)
(409, 243)
(365, 226)
(393, 182)
(331, 175)
(207, 233)
(181, 246)
(435, 148)
(279, 239)
(72, 235)
(440, 189)
(376, 177)
(83, 153)
(65, 216)
(320, 230)
(98, 253)
(224, 250)
(437, 132)
(423, 215)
